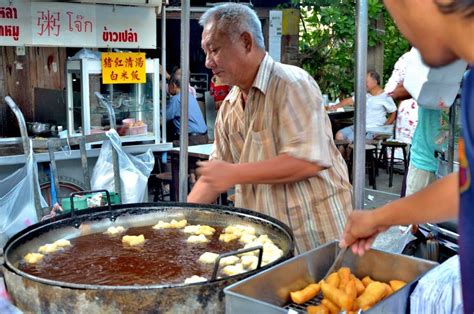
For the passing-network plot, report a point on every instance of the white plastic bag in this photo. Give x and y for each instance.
(17, 201)
(134, 170)
(433, 88)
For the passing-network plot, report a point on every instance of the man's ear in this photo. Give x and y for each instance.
(246, 40)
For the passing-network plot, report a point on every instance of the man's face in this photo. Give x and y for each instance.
(371, 83)
(225, 57)
(419, 22)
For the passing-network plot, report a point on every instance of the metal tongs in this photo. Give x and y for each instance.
(337, 261)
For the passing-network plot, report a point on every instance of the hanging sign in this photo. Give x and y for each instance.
(76, 25)
(123, 68)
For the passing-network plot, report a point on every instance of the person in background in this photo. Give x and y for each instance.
(177, 72)
(407, 113)
(379, 104)
(197, 128)
(218, 91)
(441, 31)
(423, 163)
(273, 139)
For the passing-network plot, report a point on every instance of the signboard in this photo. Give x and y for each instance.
(123, 68)
(12, 19)
(76, 25)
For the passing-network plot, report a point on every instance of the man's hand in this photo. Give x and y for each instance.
(217, 175)
(361, 230)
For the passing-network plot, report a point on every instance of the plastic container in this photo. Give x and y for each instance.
(128, 121)
(136, 130)
(80, 202)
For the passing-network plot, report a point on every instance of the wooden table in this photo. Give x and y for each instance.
(195, 153)
(340, 119)
(346, 114)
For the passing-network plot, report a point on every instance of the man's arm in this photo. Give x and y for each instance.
(391, 118)
(399, 93)
(219, 176)
(345, 102)
(172, 106)
(438, 202)
(202, 193)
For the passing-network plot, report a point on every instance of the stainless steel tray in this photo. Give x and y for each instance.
(269, 291)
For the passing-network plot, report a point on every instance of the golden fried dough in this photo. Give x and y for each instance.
(33, 258)
(115, 230)
(173, 224)
(306, 294)
(194, 279)
(132, 240)
(197, 239)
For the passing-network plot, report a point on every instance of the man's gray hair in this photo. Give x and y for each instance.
(234, 19)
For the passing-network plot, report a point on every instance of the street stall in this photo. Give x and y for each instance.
(171, 257)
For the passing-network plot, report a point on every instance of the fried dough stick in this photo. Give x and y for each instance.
(374, 292)
(337, 296)
(306, 294)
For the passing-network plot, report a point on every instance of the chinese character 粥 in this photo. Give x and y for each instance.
(48, 23)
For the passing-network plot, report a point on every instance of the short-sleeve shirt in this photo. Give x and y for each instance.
(407, 116)
(284, 114)
(377, 108)
(424, 140)
(196, 123)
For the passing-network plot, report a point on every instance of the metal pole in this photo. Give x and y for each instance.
(163, 73)
(358, 167)
(183, 136)
(451, 134)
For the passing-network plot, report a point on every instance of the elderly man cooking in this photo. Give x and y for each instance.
(273, 140)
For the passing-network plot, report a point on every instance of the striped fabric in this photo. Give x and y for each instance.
(284, 114)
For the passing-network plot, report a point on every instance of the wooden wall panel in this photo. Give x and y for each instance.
(49, 67)
(18, 85)
(42, 67)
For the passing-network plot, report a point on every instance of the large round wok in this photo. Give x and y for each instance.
(34, 294)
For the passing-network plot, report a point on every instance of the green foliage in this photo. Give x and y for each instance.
(327, 42)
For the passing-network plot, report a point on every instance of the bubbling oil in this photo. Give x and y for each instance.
(100, 259)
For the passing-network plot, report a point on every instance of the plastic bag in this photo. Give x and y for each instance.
(17, 201)
(134, 170)
(86, 54)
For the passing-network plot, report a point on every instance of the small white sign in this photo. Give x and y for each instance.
(276, 18)
(274, 39)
